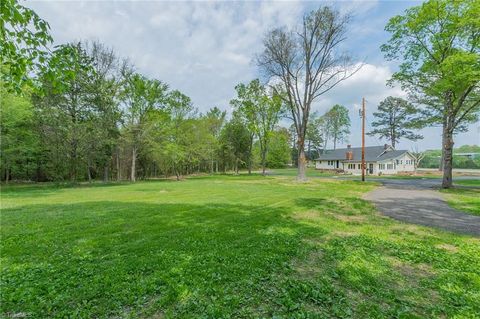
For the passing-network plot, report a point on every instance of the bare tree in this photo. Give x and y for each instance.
(307, 62)
(419, 155)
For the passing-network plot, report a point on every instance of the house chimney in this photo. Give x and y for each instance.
(349, 154)
(349, 146)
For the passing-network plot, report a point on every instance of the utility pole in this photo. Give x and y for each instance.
(363, 139)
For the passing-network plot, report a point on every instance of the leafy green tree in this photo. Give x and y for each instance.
(393, 120)
(337, 124)
(279, 154)
(260, 111)
(314, 135)
(180, 130)
(215, 119)
(439, 42)
(235, 143)
(140, 96)
(23, 46)
(20, 142)
(64, 109)
(105, 93)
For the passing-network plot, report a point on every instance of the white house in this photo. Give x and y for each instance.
(379, 160)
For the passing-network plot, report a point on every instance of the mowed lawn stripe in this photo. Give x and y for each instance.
(226, 247)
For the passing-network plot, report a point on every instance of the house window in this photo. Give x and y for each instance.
(359, 166)
(381, 166)
(389, 166)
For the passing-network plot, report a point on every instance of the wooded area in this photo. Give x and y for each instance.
(78, 111)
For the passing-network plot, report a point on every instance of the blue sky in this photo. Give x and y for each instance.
(205, 48)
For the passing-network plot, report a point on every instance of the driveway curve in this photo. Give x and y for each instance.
(414, 201)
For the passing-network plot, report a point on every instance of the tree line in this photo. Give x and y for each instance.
(89, 115)
(79, 112)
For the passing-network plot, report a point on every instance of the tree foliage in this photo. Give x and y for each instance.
(260, 112)
(393, 120)
(23, 47)
(439, 44)
(336, 124)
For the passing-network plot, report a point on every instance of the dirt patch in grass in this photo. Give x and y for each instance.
(310, 266)
(310, 214)
(448, 247)
(351, 218)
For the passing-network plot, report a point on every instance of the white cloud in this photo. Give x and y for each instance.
(205, 48)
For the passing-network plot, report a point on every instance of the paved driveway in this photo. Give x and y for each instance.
(415, 201)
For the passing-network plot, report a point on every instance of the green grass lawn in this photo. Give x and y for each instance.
(468, 182)
(467, 200)
(292, 172)
(226, 247)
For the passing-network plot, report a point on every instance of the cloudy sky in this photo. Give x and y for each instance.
(205, 48)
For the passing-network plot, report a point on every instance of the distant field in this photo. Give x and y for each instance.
(226, 247)
(293, 172)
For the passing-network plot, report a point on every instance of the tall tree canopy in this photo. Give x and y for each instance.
(439, 42)
(215, 119)
(393, 120)
(260, 111)
(23, 46)
(337, 124)
(140, 96)
(307, 62)
(315, 135)
(65, 107)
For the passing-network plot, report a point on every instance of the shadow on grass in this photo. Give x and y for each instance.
(103, 258)
(114, 259)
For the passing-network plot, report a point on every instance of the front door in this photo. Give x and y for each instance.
(370, 168)
(338, 164)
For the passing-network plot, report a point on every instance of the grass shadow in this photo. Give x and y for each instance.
(94, 256)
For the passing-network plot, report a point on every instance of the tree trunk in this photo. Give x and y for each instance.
(440, 165)
(73, 163)
(119, 176)
(249, 156)
(105, 173)
(302, 161)
(89, 174)
(447, 158)
(445, 125)
(134, 160)
(7, 174)
(264, 160)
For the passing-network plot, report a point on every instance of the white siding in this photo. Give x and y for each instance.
(324, 164)
(405, 163)
(387, 167)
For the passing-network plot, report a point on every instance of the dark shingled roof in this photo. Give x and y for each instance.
(372, 154)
